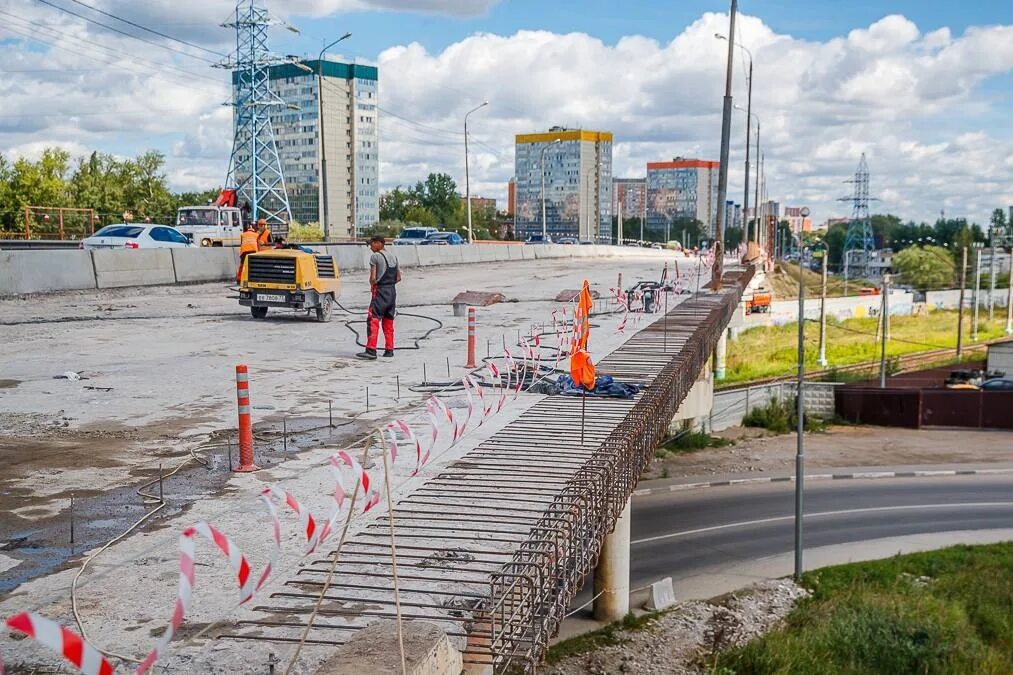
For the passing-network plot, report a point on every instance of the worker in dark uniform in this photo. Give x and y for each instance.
(384, 274)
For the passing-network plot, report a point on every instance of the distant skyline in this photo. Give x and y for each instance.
(924, 91)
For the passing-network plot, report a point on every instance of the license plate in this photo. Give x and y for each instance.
(270, 297)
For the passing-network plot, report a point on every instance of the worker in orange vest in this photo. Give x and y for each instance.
(263, 234)
(247, 245)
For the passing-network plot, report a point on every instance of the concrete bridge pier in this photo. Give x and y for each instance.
(720, 356)
(612, 575)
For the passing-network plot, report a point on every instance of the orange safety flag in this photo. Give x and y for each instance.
(582, 369)
(582, 317)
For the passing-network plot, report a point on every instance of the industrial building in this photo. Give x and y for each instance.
(575, 166)
(682, 188)
(350, 109)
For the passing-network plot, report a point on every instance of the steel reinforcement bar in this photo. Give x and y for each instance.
(529, 595)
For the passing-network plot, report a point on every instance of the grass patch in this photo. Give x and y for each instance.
(690, 441)
(611, 634)
(945, 612)
(779, 416)
(785, 283)
(772, 351)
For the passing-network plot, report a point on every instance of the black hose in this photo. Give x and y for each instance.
(416, 341)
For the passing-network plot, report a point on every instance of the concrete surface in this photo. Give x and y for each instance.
(45, 271)
(376, 650)
(158, 368)
(141, 267)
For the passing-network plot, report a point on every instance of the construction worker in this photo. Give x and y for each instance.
(247, 245)
(263, 234)
(384, 274)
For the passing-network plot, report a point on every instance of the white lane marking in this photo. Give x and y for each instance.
(775, 519)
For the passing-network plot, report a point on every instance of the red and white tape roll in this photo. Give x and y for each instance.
(61, 640)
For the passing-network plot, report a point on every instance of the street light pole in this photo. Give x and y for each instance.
(974, 293)
(884, 319)
(960, 304)
(726, 132)
(325, 216)
(800, 413)
(751, 233)
(823, 313)
(541, 164)
(467, 177)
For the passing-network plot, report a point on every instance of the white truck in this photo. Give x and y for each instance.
(211, 225)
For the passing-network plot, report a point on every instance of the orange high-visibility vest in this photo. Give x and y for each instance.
(582, 369)
(264, 238)
(248, 243)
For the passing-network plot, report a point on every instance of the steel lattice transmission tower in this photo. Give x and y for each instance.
(255, 170)
(860, 228)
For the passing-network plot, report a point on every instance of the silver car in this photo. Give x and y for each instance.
(130, 235)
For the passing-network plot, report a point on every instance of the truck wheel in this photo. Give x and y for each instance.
(258, 312)
(205, 242)
(325, 309)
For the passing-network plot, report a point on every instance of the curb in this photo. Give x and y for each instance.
(818, 476)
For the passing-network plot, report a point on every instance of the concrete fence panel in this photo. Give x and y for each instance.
(138, 267)
(45, 271)
(203, 264)
(732, 405)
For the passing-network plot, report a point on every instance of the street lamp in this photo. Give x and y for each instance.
(323, 146)
(749, 113)
(467, 179)
(726, 132)
(800, 410)
(541, 164)
(758, 232)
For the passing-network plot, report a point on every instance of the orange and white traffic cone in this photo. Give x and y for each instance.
(471, 339)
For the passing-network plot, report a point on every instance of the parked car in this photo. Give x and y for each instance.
(129, 235)
(586, 242)
(444, 239)
(573, 241)
(539, 239)
(414, 235)
(998, 384)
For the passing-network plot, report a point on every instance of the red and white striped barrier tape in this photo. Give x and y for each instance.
(63, 641)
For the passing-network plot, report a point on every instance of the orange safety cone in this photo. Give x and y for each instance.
(246, 464)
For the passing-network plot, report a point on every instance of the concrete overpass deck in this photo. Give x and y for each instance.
(494, 547)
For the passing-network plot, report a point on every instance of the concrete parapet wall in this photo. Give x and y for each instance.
(45, 271)
(204, 264)
(142, 267)
(376, 650)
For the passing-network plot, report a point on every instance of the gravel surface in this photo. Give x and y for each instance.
(683, 640)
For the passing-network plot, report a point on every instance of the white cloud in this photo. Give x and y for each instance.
(913, 102)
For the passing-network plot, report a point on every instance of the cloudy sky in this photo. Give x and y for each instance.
(922, 87)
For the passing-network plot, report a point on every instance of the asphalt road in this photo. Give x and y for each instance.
(687, 534)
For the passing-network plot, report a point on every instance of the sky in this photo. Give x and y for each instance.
(923, 88)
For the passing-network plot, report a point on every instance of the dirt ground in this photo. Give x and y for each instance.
(757, 450)
(683, 640)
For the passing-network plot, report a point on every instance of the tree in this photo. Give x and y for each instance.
(925, 268)
(733, 237)
(998, 224)
(689, 231)
(439, 195)
(394, 203)
(419, 215)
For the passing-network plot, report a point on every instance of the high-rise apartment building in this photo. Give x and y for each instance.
(350, 108)
(631, 192)
(577, 169)
(682, 188)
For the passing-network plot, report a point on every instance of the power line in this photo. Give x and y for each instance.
(122, 32)
(116, 53)
(145, 28)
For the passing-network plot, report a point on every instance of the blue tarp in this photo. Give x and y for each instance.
(604, 387)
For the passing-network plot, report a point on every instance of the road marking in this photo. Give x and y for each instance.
(775, 519)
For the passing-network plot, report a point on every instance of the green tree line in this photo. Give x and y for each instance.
(436, 202)
(100, 181)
